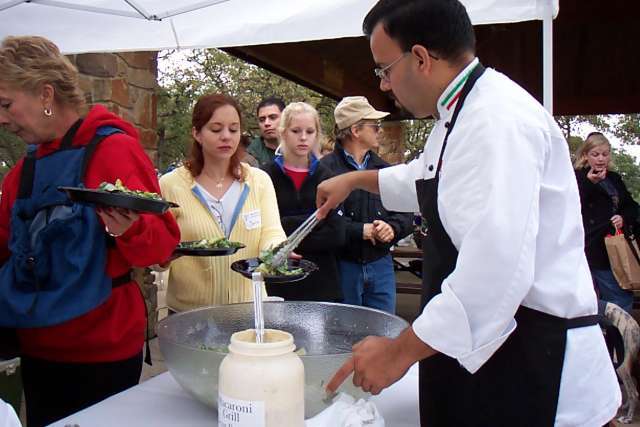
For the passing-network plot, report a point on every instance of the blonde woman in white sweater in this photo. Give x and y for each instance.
(219, 197)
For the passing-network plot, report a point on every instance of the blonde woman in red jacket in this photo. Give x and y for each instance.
(82, 349)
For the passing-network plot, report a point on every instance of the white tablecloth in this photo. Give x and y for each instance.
(160, 402)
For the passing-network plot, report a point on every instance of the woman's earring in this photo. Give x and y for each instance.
(48, 112)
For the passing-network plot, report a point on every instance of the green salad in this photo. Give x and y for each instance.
(211, 244)
(267, 269)
(118, 187)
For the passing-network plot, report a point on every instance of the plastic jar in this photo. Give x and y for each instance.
(261, 385)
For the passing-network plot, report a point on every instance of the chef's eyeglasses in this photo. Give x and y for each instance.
(385, 72)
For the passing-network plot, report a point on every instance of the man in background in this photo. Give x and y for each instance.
(367, 276)
(263, 148)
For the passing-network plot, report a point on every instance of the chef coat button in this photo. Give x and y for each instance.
(430, 167)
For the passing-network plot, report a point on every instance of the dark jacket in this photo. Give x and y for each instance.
(261, 153)
(597, 210)
(320, 246)
(362, 207)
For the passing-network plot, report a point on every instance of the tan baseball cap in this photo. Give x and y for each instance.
(352, 109)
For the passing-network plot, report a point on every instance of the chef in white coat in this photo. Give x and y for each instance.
(508, 334)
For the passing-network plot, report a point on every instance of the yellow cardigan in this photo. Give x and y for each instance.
(202, 281)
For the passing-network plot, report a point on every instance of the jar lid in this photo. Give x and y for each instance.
(275, 342)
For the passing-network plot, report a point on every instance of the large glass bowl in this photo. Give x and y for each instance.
(194, 342)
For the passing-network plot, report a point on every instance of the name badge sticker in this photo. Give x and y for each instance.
(252, 220)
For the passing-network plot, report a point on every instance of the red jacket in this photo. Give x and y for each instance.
(115, 330)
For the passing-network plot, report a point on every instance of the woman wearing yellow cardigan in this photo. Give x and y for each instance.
(218, 197)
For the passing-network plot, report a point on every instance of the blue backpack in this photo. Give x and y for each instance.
(57, 267)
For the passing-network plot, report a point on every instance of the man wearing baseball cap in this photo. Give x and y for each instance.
(366, 269)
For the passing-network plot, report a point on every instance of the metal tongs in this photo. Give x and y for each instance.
(258, 314)
(292, 242)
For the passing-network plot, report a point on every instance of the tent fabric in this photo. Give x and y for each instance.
(80, 26)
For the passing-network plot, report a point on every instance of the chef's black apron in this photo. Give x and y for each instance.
(520, 383)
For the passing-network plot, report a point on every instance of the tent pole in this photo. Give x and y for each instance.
(547, 58)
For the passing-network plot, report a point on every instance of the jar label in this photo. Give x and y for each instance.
(240, 413)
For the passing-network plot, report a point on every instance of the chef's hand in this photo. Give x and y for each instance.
(383, 231)
(596, 176)
(617, 221)
(374, 365)
(368, 233)
(331, 192)
(378, 362)
(117, 220)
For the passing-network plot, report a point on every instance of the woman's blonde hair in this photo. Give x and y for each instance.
(292, 110)
(28, 63)
(327, 145)
(594, 139)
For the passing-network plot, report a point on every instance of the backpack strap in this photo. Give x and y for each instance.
(28, 172)
(67, 139)
(101, 133)
(29, 164)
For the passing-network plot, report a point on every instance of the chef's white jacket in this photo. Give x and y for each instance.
(508, 199)
(8, 417)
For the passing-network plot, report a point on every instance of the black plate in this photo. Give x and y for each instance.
(118, 200)
(246, 267)
(205, 251)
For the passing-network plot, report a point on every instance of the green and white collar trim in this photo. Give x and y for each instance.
(449, 97)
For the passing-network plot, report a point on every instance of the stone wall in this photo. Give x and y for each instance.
(126, 84)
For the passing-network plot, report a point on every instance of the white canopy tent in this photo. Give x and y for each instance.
(79, 26)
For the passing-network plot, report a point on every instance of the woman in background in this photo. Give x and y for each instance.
(219, 197)
(607, 206)
(296, 173)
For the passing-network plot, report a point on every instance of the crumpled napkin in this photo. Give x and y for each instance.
(346, 412)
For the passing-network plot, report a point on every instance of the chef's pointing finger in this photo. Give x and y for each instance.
(338, 378)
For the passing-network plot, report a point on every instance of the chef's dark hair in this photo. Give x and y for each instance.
(441, 26)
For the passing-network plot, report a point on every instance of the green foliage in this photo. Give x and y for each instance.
(627, 166)
(416, 133)
(211, 70)
(628, 128)
(574, 143)
(569, 124)
(11, 150)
